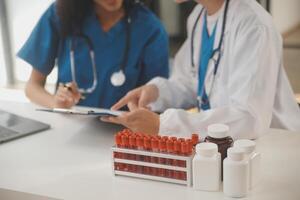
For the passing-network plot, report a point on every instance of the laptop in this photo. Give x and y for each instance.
(13, 126)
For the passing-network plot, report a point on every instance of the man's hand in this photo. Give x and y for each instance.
(140, 97)
(138, 120)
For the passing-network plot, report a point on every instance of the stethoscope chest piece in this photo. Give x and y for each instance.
(118, 78)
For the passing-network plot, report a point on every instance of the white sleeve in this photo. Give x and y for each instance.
(251, 90)
(179, 90)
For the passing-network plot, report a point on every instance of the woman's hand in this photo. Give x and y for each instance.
(140, 97)
(138, 120)
(67, 96)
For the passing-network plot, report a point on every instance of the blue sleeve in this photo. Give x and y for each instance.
(40, 50)
(155, 60)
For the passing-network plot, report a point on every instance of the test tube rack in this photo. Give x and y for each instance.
(135, 167)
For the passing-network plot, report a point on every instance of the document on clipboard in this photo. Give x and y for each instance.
(98, 112)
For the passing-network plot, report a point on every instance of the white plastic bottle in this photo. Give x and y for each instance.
(207, 167)
(236, 174)
(254, 160)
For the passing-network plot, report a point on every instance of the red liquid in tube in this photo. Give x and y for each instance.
(132, 144)
(184, 150)
(147, 147)
(163, 149)
(189, 147)
(154, 147)
(170, 150)
(140, 146)
(125, 144)
(177, 151)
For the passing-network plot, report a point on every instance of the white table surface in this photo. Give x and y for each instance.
(72, 160)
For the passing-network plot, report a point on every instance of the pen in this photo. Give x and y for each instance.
(71, 90)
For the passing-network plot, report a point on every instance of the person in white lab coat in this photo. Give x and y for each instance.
(250, 91)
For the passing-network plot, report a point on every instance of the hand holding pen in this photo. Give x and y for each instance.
(67, 95)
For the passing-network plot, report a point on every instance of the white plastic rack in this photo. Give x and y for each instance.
(186, 169)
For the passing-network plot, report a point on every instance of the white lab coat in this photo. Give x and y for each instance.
(251, 92)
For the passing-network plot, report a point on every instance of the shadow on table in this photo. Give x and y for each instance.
(95, 132)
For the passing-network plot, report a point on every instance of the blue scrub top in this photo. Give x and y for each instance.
(147, 57)
(207, 50)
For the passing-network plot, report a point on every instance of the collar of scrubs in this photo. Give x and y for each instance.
(115, 29)
(207, 48)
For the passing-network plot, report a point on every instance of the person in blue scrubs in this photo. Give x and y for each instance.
(104, 23)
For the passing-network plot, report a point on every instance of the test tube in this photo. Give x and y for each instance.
(162, 148)
(165, 138)
(118, 166)
(118, 142)
(170, 150)
(177, 151)
(158, 137)
(140, 146)
(147, 147)
(181, 139)
(132, 144)
(125, 144)
(184, 150)
(154, 147)
(189, 146)
(195, 139)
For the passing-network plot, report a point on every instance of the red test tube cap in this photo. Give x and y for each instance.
(162, 145)
(125, 140)
(181, 139)
(118, 139)
(190, 146)
(132, 141)
(154, 144)
(195, 138)
(184, 147)
(165, 138)
(147, 142)
(158, 137)
(177, 147)
(170, 146)
(140, 142)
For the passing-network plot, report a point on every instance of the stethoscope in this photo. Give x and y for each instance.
(117, 78)
(215, 57)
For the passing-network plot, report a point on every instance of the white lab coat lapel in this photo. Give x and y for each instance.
(209, 78)
(198, 40)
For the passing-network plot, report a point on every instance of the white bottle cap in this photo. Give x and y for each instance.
(235, 153)
(247, 145)
(206, 149)
(218, 130)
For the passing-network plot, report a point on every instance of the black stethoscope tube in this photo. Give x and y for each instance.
(218, 50)
(118, 77)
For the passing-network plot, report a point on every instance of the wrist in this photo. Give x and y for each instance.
(52, 103)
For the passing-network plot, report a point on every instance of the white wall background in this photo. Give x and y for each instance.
(23, 16)
(2, 67)
(170, 16)
(286, 14)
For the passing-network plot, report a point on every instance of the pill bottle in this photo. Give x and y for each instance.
(254, 160)
(219, 134)
(207, 167)
(236, 173)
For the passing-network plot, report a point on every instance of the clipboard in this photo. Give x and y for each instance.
(98, 112)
